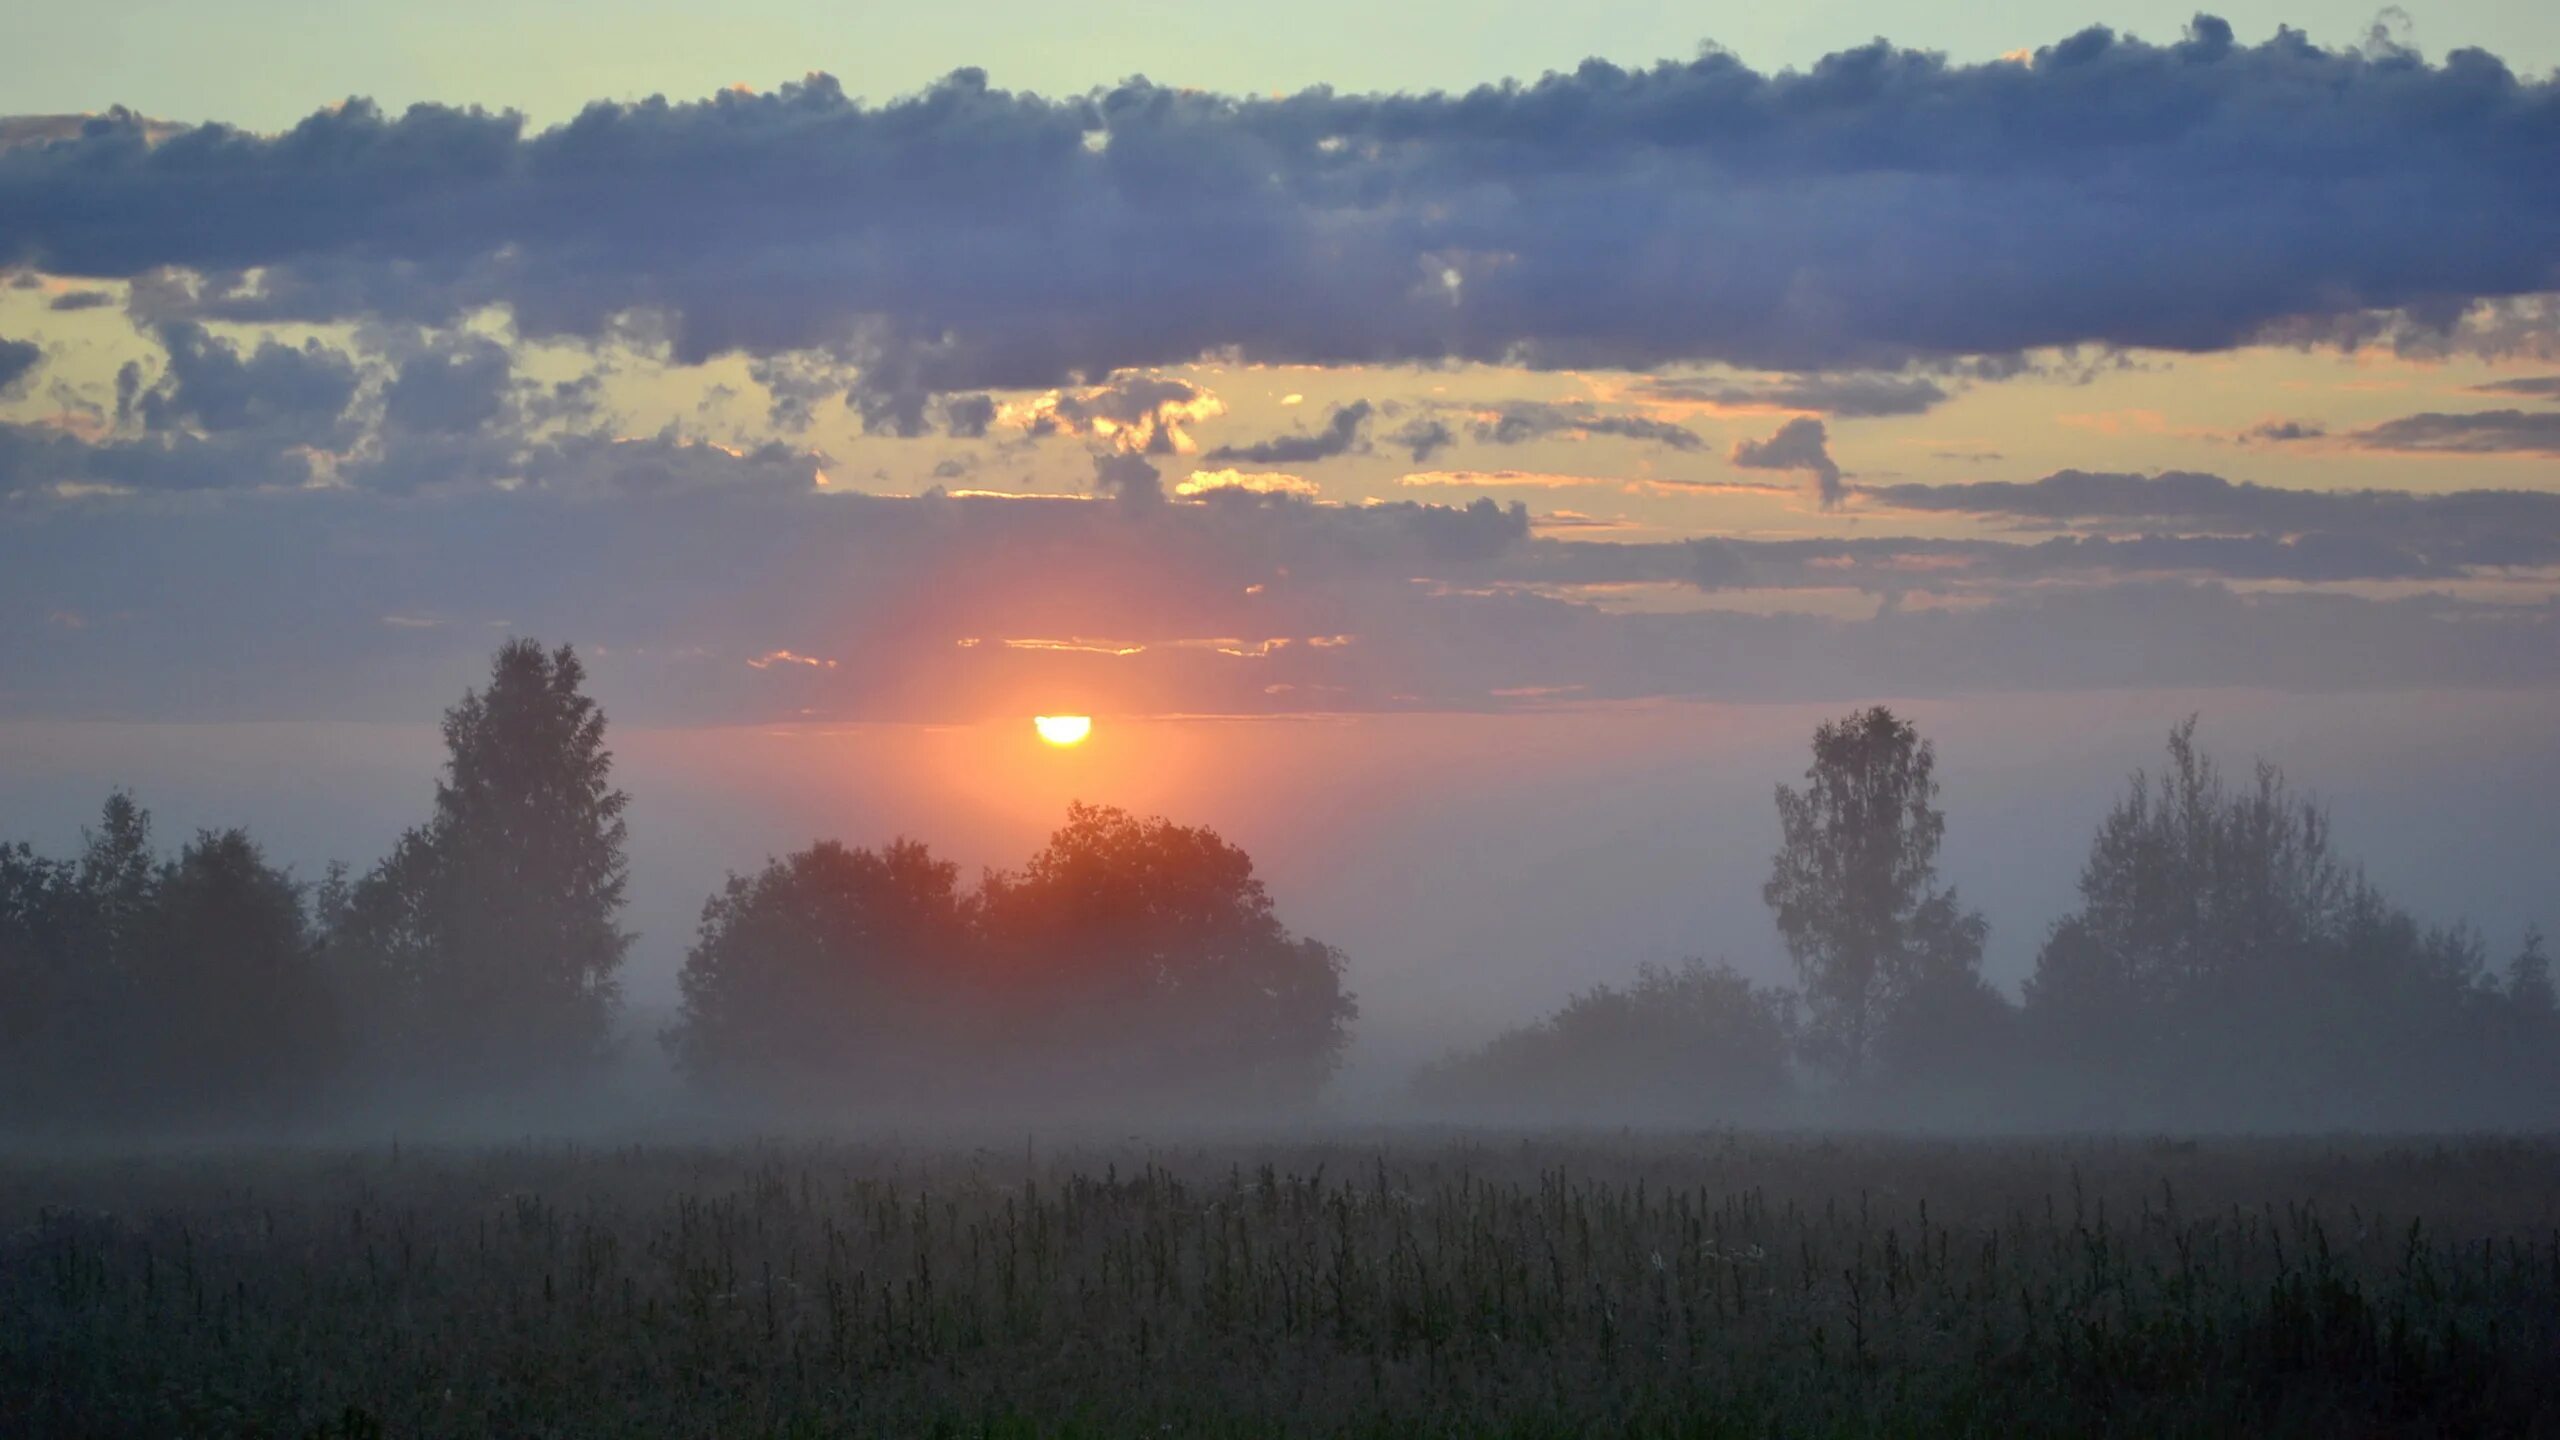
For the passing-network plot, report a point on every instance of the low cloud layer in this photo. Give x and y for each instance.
(2484, 432)
(1236, 596)
(2397, 533)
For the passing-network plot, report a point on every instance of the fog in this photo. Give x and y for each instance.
(1475, 871)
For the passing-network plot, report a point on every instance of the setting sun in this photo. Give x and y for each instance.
(1063, 729)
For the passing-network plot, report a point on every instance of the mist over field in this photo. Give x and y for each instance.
(1634, 862)
(1415, 721)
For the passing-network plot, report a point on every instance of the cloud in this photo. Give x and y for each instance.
(2540, 387)
(664, 465)
(967, 417)
(771, 658)
(1800, 444)
(1341, 431)
(2484, 432)
(1201, 482)
(295, 392)
(1553, 480)
(585, 465)
(41, 460)
(1450, 606)
(1424, 437)
(1876, 209)
(1505, 479)
(1895, 565)
(2433, 533)
(797, 382)
(2282, 432)
(18, 361)
(1134, 414)
(1127, 478)
(81, 300)
(460, 388)
(1522, 420)
(1844, 396)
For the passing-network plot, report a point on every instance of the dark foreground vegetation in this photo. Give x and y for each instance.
(1409, 1285)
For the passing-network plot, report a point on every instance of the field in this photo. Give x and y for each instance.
(1370, 1284)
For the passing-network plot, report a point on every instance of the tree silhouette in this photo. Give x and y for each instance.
(2529, 979)
(41, 987)
(1694, 1043)
(1144, 956)
(2226, 963)
(137, 993)
(236, 1019)
(829, 972)
(116, 871)
(489, 938)
(1853, 888)
(111, 902)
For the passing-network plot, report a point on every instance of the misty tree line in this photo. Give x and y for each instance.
(479, 960)
(2224, 964)
(212, 988)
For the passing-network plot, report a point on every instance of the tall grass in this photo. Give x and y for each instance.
(1712, 1285)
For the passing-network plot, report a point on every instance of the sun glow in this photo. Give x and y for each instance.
(1063, 729)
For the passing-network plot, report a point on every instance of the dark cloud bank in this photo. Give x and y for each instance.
(1881, 207)
(361, 604)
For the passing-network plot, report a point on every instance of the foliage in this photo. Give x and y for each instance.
(1145, 957)
(151, 993)
(1853, 889)
(47, 996)
(240, 1020)
(1694, 1044)
(824, 972)
(488, 941)
(1128, 958)
(2226, 962)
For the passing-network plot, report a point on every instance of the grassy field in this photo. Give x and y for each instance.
(1383, 1284)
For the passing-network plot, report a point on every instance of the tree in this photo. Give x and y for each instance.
(71, 937)
(2529, 979)
(1947, 1031)
(1854, 891)
(40, 985)
(1690, 1044)
(2529, 1033)
(235, 1017)
(1144, 957)
(829, 971)
(489, 938)
(2226, 965)
(116, 872)
(137, 992)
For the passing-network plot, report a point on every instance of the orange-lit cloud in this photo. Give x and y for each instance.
(771, 658)
(1267, 482)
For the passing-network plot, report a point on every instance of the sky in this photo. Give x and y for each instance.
(1461, 469)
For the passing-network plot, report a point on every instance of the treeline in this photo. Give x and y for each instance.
(477, 965)
(2225, 967)
(212, 990)
(1136, 962)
